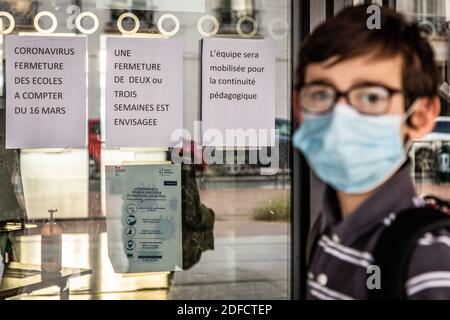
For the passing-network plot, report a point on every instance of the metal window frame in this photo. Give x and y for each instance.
(390, 3)
(300, 172)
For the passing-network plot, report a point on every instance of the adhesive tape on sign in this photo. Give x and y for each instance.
(283, 24)
(128, 15)
(12, 22)
(429, 25)
(171, 17)
(206, 18)
(239, 27)
(90, 15)
(45, 14)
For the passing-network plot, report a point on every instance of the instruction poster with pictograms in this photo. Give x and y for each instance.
(143, 214)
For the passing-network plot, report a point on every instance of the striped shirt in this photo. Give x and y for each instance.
(344, 249)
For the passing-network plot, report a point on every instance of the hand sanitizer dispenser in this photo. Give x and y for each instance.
(51, 251)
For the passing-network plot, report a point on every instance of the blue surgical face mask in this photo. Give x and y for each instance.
(350, 151)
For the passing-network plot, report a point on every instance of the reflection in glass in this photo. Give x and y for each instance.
(430, 153)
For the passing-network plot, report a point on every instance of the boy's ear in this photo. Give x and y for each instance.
(423, 119)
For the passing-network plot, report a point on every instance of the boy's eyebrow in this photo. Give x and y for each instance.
(356, 83)
(370, 82)
(373, 84)
(321, 81)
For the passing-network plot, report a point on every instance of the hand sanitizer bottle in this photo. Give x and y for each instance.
(51, 245)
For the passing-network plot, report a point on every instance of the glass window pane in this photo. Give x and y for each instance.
(238, 246)
(430, 154)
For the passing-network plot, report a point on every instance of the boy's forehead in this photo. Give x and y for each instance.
(368, 68)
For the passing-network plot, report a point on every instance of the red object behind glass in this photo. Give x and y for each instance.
(95, 142)
(190, 148)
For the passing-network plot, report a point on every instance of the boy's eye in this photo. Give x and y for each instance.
(373, 98)
(321, 95)
(371, 95)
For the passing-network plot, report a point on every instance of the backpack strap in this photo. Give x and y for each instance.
(313, 237)
(395, 247)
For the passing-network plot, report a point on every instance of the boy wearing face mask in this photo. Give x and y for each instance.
(363, 95)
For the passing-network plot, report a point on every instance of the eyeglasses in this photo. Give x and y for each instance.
(372, 99)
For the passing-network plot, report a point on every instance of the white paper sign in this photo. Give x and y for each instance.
(238, 92)
(45, 92)
(144, 92)
(143, 212)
